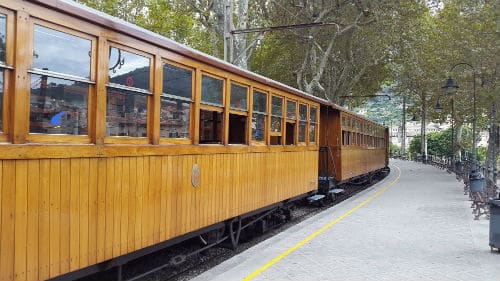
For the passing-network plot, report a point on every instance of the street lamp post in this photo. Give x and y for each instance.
(475, 177)
(439, 108)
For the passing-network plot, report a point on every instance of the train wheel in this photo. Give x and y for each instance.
(327, 200)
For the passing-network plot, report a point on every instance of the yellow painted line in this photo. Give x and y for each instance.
(321, 230)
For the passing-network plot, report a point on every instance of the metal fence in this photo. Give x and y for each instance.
(462, 170)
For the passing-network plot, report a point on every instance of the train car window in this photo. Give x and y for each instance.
(61, 52)
(127, 94)
(211, 90)
(302, 122)
(237, 129)
(3, 37)
(174, 118)
(126, 113)
(238, 117)
(276, 114)
(60, 79)
(210, 127)
(259, 116)
(177, 81)
(211, 115)
(176, 100)
(128, 69)
(276, 120)
(313, 118)
(291, 116)
(239, 96)
(291, 108)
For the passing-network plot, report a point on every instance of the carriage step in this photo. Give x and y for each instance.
(316, 197)
(336, 191)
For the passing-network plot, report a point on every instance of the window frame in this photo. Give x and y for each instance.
(279, 134)
(149, 95)
(271, 115)
(266, 114)
(192, 102)
(293, 121)
(305, 121)
(240, 112)
(224, 91)
(207, 106)
(316, 125)
(61, 138)
(8, 75)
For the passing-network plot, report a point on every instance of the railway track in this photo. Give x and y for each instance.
(168, 266)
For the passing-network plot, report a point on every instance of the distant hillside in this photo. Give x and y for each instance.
(382, 110)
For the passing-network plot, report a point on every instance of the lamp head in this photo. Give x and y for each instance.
(451, 86)
(438, 106)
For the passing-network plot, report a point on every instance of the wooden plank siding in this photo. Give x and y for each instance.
(356, 161)
(68, 214)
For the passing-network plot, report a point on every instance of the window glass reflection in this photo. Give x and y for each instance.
(58, 106)
(126, 113)
(312, 132)
(177, 81)
(290, 109)
(211, 90)
(258, 126)
(259, 115)
(313, 117)
(239, 97)
(302, 122)
(312, 126)
(128, 69)
(303, 112)
(277, 104)
(3, 36)
(174, 118)
(259, 102)
(61, 52)
(277, 111)
(302, 131)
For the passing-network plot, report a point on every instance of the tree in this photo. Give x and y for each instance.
(394, 150)
(170, 18)
(414, 147)
(346, 57)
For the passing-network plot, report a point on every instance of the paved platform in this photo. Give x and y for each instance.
(414, 225)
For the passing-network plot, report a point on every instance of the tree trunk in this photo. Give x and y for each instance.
(240, 41)
(492, 153)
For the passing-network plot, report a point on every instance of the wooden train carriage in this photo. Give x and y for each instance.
(357, 145)
(114, 139)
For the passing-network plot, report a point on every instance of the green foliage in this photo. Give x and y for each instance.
(481, 153)
(415, 145)
(394, 150)
(170, 18)
(439, 143)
